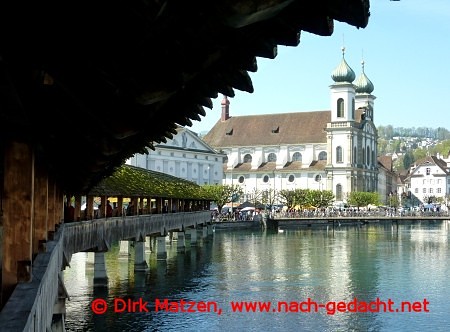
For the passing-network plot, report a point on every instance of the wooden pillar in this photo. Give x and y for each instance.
(40, 229)
(141, 206)
(90, 207)
(119, 206)
(77, 215)
(134, 206)
(159, 205)
(59, 206)
(102, 212)
(18, 217)
(51, 207)
(149, 205)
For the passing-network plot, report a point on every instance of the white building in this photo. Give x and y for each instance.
(185, 156)
(429, 181)
(334, 150)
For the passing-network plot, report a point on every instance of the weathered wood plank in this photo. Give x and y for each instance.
(18, 225)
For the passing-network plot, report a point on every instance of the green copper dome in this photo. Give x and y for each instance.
(343, 72)
(363, 84)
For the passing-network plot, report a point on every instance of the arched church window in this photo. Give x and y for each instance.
(241, 179)
(323, 155)
(266, 178)
(297, 156)
(355, 156)
(339, 158)
(368, 156)
(248, 158)
(272, 157)
(340, 108)
(339, 192)
(291, 178)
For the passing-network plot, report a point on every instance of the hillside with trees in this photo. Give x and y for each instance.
(412, 144)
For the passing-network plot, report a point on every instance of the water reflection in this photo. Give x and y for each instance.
(386, 261)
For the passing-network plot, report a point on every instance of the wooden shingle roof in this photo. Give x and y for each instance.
(131, 181)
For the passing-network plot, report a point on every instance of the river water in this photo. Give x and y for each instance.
(376, 277)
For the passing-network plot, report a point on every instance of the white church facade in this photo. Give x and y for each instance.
(327, 150)
(185, 156)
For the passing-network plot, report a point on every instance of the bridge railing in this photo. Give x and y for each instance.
(103, 232)
(30, 307)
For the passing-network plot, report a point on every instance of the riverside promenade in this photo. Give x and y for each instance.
(314, 219)
(360, 220)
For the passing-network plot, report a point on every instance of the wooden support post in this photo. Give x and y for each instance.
(52, 216)
(40, 229)
(18, 217)
(77, 215)
(90, 207)
(119, 206)
(103, 207)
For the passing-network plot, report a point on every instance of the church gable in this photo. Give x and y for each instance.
(186, 139)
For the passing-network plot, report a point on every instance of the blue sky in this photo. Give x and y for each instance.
(406, 50)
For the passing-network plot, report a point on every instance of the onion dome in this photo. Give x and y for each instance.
(363, 84)
(343, 72)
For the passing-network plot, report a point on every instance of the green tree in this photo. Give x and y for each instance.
(320, 198)
(221, 194)
(287, 197)
(419, 154)
(301, 198)
(361, 198)
(442, 148)
(393, 201)
(408, 159)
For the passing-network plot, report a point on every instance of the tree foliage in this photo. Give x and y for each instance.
(389, 132)
(306, 198)
(287, 197)
(221, 194)
(362, 198)
(320, 198)
(408, 159)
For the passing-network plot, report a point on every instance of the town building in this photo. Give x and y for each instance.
(428, 181)
(388, 180)
(185, 156)
(326, 150)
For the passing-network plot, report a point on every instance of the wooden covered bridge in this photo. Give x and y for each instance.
(157, 204)
(84, 86)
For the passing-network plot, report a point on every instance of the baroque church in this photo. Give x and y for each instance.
(326, 150)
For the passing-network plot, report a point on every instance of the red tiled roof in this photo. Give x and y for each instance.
(386, 162)
(270, 129)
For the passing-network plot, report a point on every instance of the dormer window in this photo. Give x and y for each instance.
(275, 129)
(229, 132)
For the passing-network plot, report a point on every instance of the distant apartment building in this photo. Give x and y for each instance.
(428, 181)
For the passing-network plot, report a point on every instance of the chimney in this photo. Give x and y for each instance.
(225, 109)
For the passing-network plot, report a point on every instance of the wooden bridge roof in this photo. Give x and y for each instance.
(90, 83)
(131, 181)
